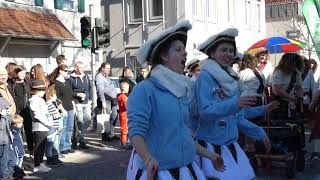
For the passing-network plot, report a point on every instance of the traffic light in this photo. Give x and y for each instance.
(85, 32)
(102, 35)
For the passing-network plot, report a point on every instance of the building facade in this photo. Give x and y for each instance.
(36, 31)
(132, 22)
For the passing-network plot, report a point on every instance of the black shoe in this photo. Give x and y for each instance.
(71, 151)
(83, 146)
(51, 162)
(110, 139)
(57, 160)
(64, 152)
(18, 173)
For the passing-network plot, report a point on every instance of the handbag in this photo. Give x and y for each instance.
(103, 122)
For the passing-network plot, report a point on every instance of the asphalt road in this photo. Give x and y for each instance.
(107, 161)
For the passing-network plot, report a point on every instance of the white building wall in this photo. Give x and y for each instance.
(71, 49)
(216, 15)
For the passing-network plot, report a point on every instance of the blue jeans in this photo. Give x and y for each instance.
(53, 142)
(7, 160)
(66, 134)
(83, 116)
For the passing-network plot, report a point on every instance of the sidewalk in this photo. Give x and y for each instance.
(103, 160)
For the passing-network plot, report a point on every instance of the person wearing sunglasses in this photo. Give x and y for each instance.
(64, 93)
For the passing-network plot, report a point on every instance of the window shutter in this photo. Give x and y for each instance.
(58, 4)
(81, 6)
(38, 2)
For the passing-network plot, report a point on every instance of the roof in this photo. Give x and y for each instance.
(24, 23)
(275, 2)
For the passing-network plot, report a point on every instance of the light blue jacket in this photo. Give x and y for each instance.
(219, 117)
(162, 120)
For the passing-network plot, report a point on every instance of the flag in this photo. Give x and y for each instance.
(310, 11)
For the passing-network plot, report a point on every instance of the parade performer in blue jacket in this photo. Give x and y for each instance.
(219, 102)
(159, 115)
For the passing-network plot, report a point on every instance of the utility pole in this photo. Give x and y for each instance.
(93, 61)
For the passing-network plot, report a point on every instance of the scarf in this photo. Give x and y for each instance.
(178, 84)
(228, 84)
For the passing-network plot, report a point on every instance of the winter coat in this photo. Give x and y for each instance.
(80, 84)
(105, 89)
(162, 121)
(220, 118)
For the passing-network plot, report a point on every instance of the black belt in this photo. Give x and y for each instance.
(217, 149)
(174, 173)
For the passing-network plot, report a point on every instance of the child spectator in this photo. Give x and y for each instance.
(18, 149)
(54, 131)
(6, 160)
(40, 125)
(122, 103)
(16, 125)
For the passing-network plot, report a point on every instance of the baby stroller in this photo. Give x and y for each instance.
(287, 137)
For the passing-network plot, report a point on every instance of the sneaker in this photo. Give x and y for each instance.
(41, 168)
(59, 161)
(51, 162)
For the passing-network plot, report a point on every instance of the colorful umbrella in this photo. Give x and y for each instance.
(278, 45)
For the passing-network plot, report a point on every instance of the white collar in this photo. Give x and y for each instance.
(228, 84)
(177, 84)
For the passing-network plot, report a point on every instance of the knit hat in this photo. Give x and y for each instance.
(227, 35)
(38, 85)
(151, 49)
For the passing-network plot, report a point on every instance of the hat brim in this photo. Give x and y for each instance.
(178, 35)
(218, 41)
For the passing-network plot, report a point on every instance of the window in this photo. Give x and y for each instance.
(258, 17)
(212, 10)
(274, 11)
(135, 10)
(155, 9)
(68, 4)
(282, 10)
(247, 12)
(268, 12)
(231, 10)
(198, 10)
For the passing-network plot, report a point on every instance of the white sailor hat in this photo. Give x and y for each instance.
(151, 49)
(227, 35)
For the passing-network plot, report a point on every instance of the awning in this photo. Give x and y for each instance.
(20, 23)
